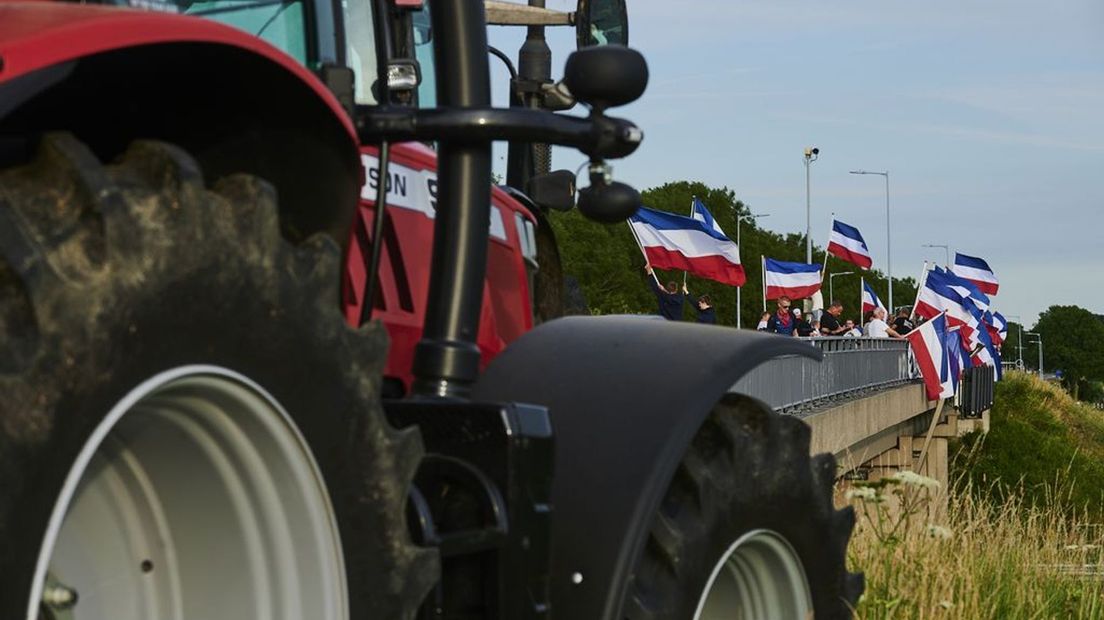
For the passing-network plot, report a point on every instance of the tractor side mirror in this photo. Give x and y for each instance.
(554, 190)
(606, 76)
(601, 22)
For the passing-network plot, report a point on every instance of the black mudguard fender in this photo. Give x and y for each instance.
(626, 396)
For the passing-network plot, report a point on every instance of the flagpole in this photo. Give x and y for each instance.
(693, 199)
(763, 263)
(632, 231)
(923, 281)
(824, 269)
(862, 294)
(931, 431)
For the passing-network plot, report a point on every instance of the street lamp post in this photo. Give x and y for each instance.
(946, 251)
(1019, 341)
(811, 153)
(831, 276)
(740, 218)
(1039, 340)
(889, 251)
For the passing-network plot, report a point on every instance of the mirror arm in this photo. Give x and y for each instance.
(599, 136)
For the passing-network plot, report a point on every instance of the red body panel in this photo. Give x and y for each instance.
(405, 261)
(34, 35)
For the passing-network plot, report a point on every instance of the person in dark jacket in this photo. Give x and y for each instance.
(804, 327)
(783, 321)
(670, 299)
(706, 312)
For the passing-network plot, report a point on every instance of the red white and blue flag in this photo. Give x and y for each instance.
(929, 347)
(1001, 325)
(977, 271)
(675, 242)
(958, 358)
(846, 243)
(870, 299)
(967, 289)
(700, 213)
(939, 296)
(942, 293)
(793, 280)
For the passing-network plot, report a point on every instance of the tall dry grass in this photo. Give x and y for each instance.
(978, 558)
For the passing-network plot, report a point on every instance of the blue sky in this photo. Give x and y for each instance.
(989, 117)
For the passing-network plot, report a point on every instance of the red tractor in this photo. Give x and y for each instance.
(199, 417)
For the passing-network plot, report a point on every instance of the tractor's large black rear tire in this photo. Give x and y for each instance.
(747, 473)
(110, 275)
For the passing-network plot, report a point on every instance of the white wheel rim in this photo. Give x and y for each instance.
(759, 576)
(196, 497)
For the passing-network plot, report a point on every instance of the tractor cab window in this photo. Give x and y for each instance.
(423, 53)
(360, 48)
(279, 22)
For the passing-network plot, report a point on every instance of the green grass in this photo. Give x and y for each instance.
(1040, 439)
(1024, 509)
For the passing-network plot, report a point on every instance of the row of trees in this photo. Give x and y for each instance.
(1073, 343)
(607, 267)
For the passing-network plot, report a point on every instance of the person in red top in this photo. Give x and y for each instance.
(783, 321)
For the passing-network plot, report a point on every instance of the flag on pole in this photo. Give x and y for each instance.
(870, 299)
(1001, 325)
(929, 346)
(965, 288)
(845, 242)
(945, 292)
(957, 358)
(938, 296)
(794, 280)
(700, 213)
(676, 242)
(977, 271)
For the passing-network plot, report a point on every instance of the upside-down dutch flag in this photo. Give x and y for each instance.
(938, 295)
(971, 309)
(794, 280)
(846, 243)
(1001, 325)
(967, 289)
(675, 242)
(929, 346)
(958, 358)
(700, 213)
(977, 271)
(870, 299)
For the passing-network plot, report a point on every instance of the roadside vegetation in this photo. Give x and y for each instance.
(1021, 533)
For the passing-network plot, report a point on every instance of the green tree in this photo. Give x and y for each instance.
(1073, 342)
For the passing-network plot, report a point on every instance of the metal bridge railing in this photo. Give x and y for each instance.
(851, 367)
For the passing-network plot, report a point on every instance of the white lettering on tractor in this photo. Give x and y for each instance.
(416, 190)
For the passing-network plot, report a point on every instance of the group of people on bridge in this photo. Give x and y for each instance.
(786, 320)
(789, 321)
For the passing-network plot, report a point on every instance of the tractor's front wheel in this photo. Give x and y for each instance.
(187, 427)
(747, 528)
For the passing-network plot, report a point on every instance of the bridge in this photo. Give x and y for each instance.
(866, 405)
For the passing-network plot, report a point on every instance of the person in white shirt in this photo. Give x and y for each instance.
(878, 328)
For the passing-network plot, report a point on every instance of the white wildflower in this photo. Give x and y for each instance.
(940, 532)
(863, 493)
(913, 479)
